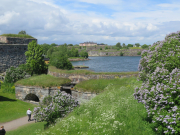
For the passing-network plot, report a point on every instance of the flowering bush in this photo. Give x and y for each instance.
(160, 71)
(14, 74)
(62, 103)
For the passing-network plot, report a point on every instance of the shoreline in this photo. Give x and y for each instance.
(78, 59)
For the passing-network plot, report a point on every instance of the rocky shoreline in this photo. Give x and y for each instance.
(78, 59)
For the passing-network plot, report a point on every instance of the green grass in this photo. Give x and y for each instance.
(43, 81)
(12, 108)
(17, 35)
(98, 85)
(86, 72)
(113, 112)
(29, 129)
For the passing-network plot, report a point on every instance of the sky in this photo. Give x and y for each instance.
(100, 21)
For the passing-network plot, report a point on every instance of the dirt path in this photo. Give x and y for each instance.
(15, 123)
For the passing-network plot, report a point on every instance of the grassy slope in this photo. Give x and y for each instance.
(43, 81)
(17, 35)
(97, 86)
(115, 111)
(11, 108)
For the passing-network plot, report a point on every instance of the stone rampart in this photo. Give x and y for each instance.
(82, 97)
(12, 55)
(76, 78)
(16, 40)
(23, 91)
(126, 52)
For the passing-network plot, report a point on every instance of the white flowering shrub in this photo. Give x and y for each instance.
(62, 103)
(14, 74)
(160, 92)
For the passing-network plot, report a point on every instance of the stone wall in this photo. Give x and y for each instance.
(22, 91)
(82, 97)
(12, 55)
(16, 40)
(127, 52)
(78, 78)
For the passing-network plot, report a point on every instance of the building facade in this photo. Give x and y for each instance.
(88, 44)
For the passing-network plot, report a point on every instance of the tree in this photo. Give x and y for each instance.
(60, 60)
(129, 45)
(22, 32)
(118, 45)
(124, 45)
(84, 54)
(106, 48)
(70, 44)
(34, 58)
(50, 51)
(137, 44)
(144, 46)
(53, 44)
(45, 48)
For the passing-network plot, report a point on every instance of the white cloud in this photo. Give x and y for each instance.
(49, 22)
(7, 17)
(151, 27)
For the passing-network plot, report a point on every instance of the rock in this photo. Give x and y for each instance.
(27, 76)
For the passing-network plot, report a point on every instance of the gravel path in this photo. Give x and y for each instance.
(11, 125)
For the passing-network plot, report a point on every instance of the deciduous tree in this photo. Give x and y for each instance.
(34, 58)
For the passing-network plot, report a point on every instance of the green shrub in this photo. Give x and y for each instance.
(25, 68)
(100, 48)
(160, 72)
(138, 53)
(60, 60)
(8, 87)
(14, 74)
(121, 53)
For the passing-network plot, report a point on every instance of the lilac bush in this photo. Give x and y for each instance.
(14, 74)
(62, 103)
(160, 72)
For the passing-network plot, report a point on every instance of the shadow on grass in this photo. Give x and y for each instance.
(6, 99)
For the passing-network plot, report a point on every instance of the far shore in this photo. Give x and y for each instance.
(78, 59)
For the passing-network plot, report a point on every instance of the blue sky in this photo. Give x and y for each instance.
(101, 21)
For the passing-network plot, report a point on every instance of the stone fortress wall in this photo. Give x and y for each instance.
(15, 40)
(12, 51)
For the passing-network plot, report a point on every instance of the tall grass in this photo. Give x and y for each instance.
(43, 81)
(98, 85)
(88, 72)
(7, 87)
(17, 35)
(114, 112)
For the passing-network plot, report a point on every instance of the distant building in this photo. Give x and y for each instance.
(90, 44)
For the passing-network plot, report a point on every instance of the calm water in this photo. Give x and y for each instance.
(111, 63)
